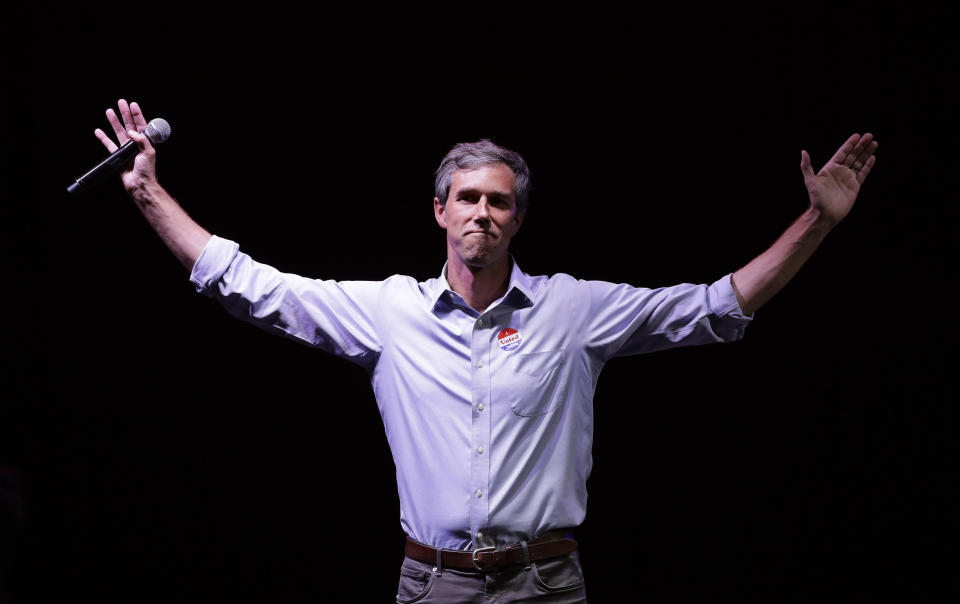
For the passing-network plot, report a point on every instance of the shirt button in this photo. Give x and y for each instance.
(480, 407)
(479, 322)
(480, 450)
(479, 364)
(479, 493)
(479, 535)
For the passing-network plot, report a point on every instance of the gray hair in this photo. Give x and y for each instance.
(470, 156)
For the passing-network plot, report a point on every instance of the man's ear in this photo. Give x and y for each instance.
(439, 212)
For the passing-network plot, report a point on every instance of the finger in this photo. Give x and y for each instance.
(139, 121)
(106, 140)
(862, 144)
(128, 122)
(860, 152)
(867, 166)
(863, 158)
(118, 128)
(842, 154)
(863, 154)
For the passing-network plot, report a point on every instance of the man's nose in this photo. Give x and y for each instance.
(482, 210)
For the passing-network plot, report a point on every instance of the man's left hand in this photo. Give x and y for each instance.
(835, 187)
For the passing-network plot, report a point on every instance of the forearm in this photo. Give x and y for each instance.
(184, 237)
(757, 282)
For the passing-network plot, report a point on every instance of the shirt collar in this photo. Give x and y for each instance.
(519, 291)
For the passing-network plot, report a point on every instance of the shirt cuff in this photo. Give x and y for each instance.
(723, 300)
(213, 262)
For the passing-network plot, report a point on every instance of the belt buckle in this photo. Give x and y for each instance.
(477, 551)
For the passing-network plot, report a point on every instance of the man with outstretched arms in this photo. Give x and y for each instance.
(485, 375)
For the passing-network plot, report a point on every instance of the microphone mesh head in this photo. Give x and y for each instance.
(158, 130)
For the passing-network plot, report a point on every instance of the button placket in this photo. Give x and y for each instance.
(480, 425)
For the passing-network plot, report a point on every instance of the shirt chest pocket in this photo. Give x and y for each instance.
(532, 383)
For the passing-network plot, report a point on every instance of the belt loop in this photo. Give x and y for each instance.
(439, 567)
(526, 555)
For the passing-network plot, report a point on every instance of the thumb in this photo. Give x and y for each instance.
(805, 165)
(141, 139)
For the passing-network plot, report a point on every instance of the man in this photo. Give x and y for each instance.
(485, 376)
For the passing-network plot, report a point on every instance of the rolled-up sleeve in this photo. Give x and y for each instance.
(339, 317)
(213, 262)
(625, 320)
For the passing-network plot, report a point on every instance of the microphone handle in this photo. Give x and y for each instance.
(111, 164)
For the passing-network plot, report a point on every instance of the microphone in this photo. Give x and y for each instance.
(158, 130)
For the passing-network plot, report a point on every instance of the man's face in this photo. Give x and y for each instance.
(480, 215)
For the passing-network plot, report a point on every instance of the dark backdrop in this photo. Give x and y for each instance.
(153, 449)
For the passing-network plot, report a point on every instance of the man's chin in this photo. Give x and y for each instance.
(481, 259)
(477, 261)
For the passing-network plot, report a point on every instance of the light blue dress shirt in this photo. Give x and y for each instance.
(489, 416)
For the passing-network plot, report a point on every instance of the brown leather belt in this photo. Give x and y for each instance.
(550, 545)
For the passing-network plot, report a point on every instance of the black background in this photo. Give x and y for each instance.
(154, 449)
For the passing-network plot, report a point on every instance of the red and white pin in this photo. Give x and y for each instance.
(509, 339)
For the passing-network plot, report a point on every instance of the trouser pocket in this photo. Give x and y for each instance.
(415, 583)
(559, 574)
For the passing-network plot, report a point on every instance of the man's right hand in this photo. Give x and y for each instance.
(142, 170)
(185, 238)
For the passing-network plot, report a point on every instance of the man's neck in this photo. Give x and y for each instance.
(478, 286)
